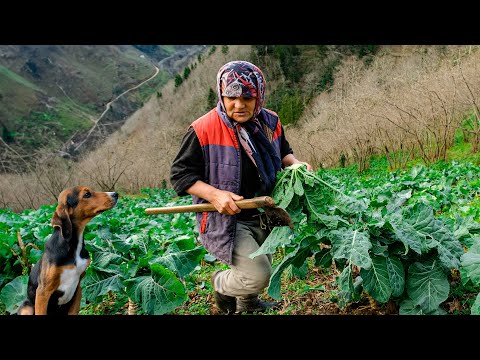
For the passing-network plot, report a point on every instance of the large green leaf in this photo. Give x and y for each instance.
(449, 248)
(301, 270)
(14, 293)
(284, 196)
(298, 255)
(10, 219)
(34, 255)
(470, 262)
(6, 244)
(345, 285)
(427, 284)
(378, 248)
(331, 221)
(315, 201)
(408, 307)
(182, 243)
(43, 232)
(414, 227)
(182, 262)
(351, 206)
(140, 242)
(103, 258)
(352, 245)
(464, 227)
(98, 282)
(376, 280)
(323, 258)
(375, 219)
(159, 293)
(475, 310)
(295, 210)
(398, 199)
(121, 243)
(279, 236)
(396, 274)
(298, 185)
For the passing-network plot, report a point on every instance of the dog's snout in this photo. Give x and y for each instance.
(114, 196)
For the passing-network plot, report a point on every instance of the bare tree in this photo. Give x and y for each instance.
(472, 126)
(106, 166)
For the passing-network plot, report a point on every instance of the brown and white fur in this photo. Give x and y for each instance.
(54, 281)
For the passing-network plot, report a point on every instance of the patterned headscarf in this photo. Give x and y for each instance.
(241, 78)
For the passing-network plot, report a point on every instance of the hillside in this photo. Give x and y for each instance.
(49, 93)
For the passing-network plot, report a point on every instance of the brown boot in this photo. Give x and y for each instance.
(254, 304)
(225, 304)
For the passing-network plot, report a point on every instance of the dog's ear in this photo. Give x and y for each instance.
(61, 219)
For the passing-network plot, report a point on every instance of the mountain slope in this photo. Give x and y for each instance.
(50, 92)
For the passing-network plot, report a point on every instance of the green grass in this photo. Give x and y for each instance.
(169, 48)
(463, 152)
(74, 117)
(17, 78)
(153, 85)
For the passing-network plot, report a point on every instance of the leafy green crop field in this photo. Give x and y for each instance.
(403, 242)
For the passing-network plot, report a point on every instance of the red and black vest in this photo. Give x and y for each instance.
(221, 151)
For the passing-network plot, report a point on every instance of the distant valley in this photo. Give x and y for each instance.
(52, 94)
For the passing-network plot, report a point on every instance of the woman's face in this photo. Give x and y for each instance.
(240, 108)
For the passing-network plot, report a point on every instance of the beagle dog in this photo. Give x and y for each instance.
(54, 281)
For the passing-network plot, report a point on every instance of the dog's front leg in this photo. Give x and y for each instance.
(49, 280)
(42, 298)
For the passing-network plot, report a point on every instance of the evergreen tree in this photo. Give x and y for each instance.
(186, 72)
(178, 80)
(211, 99)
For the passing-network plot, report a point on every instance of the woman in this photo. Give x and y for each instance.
(234, 152)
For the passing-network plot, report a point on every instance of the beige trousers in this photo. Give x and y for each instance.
(246, 277)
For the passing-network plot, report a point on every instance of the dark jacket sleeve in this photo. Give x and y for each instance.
(285, 148)
(189, 164)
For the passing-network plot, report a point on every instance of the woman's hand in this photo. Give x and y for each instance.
(309, 167)
(224, 202)
(290, 159)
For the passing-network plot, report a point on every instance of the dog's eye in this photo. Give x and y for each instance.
(87, 195)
